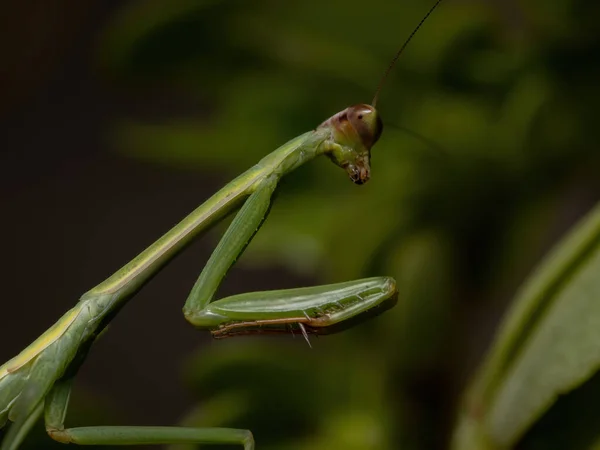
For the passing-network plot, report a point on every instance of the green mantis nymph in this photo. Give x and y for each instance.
(39, 379)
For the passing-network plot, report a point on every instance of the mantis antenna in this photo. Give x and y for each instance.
(393, 63)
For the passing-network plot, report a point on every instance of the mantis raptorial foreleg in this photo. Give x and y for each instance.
(273, 311)
(243, 227)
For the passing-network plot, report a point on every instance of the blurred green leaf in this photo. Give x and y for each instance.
(548, 345)
(283, 387)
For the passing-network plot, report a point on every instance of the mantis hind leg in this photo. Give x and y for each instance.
(56, 408)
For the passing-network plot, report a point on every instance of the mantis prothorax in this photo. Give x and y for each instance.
(40, 377)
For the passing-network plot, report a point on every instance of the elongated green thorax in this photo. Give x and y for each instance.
(354, 131)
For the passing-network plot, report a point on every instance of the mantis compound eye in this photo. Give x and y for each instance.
(366, 121)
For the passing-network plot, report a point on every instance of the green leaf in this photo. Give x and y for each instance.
(548, 345)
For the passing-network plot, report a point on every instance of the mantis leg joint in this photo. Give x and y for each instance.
(59, 435)
(249, 441)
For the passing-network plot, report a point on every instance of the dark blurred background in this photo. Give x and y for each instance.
(119, 117)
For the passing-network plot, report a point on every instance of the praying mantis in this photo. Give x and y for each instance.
(39, 379)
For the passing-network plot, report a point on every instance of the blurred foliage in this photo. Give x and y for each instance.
(547, 346)
(507, 90)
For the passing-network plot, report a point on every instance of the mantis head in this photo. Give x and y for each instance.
(354, 131)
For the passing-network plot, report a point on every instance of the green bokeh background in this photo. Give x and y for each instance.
(506, 96)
